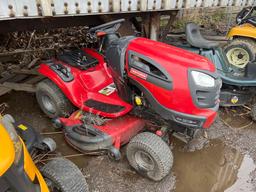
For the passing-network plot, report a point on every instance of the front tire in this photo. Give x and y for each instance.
(150, 156)
(240, 51)
(62, 175)
(52, 101)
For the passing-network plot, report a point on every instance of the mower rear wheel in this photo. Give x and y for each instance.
(150, 156)
(240, 51)
(52, 101)
(61, 175)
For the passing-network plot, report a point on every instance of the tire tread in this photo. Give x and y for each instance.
(66, 174)
(156, 146)
(65, 107)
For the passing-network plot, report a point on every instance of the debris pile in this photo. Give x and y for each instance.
(19, 49)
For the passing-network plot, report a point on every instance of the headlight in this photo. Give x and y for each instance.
(202, 79)
(8, 121)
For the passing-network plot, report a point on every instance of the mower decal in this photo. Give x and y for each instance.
(108, 89)
(234, 99)
(138, 73)
(23, 127)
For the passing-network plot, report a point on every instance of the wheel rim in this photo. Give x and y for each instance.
(48, 104)
(144, 160)
(238, 57)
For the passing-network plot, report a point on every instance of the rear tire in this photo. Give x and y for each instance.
(52, 101)
(150, 156)
(245, 46)
(64, 176)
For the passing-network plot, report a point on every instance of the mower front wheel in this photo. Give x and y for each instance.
(64, 176)
(52, 101)
(150, 156)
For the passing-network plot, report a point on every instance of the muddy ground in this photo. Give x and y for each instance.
(225, 163)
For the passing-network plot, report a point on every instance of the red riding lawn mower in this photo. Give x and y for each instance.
(129, 85)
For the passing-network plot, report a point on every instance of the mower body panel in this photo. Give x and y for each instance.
(244, 30)
(86, 89)
(168, 88)
(6, 147)
(20, 176)
(113, 133)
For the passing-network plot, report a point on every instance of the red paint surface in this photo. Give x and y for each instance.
(121, 129)
(86, 85)
(176, 62)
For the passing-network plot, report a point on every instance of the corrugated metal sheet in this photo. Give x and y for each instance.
(39, 8)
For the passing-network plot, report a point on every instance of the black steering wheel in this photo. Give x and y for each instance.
(110, 27)
(244, 15)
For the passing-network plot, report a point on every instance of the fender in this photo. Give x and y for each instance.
(245, 30)
(78, 94)
(66, 87)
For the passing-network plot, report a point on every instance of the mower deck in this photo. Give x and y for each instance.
(97, 138)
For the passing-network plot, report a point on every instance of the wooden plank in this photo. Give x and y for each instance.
(169, 4)
(46, 7)
(4, 90)
(19, 86)
(21, 51)
(35, 80)
(25, 71)
(2, 80)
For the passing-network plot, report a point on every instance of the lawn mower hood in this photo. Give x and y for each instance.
(178, 85)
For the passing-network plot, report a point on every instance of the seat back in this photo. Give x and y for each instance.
(192, 33)
(195, 38)
(115, 57)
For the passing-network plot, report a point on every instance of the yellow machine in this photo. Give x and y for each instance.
(18, 173)
(241, 47)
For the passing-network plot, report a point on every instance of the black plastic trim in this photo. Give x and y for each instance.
(97, 141)
(165, 83)
(226, 96)
(210, 95)
(105, 107)
(166, 113)
(78, 58)
(18, 180)
(63, 72)
(30, 136)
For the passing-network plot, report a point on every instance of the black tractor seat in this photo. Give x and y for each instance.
(195, 38)
(78, 58)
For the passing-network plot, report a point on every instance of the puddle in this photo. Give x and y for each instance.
(216, 168)
(243, 176)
